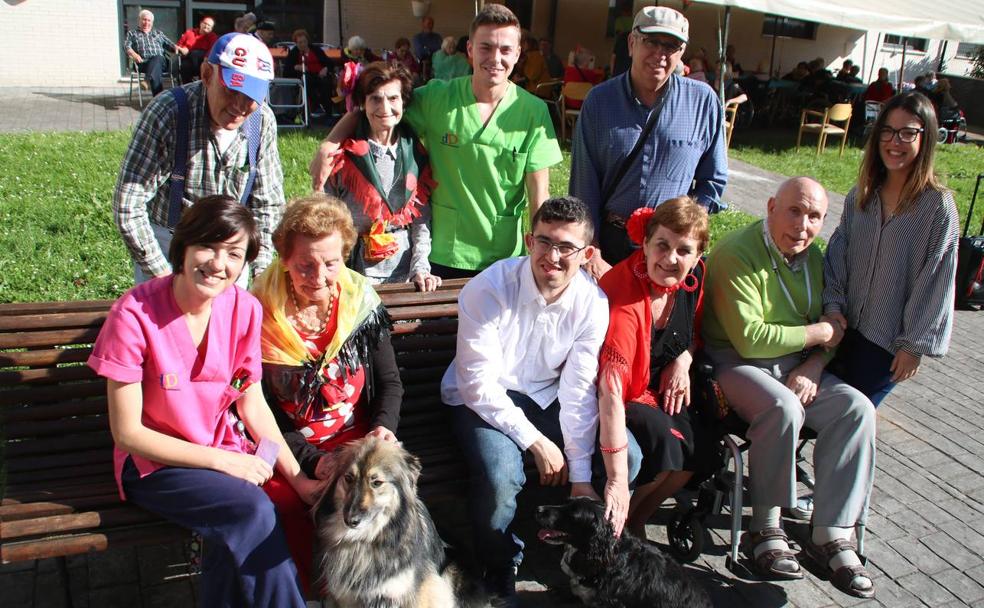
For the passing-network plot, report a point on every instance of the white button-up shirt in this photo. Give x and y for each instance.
(509, 338)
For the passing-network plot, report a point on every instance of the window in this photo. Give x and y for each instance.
(786, 27)
(968, 50)
(911, 44)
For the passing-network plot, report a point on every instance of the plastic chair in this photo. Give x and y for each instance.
(549, 92)
(137, 78)
(283, 100)
(837, 113)
(571, 91)
(730, 116)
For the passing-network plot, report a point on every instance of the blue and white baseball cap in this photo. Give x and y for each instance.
(246, 64)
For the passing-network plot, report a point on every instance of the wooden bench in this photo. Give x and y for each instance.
(59, 497)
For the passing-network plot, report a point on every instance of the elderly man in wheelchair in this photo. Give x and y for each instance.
(764, 333)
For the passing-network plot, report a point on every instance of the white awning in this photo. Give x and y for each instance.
(959, 20)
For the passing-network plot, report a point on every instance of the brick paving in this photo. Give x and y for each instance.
(925, 535)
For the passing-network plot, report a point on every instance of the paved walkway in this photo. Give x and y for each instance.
(925, 538)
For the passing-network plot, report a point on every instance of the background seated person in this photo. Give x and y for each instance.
(698, 71)
(194, 45)
(356, 56)
(265, 32)
(451, 61)
(383, 176)
(145, 46)
(581, 70)
(654, 297)
(801, 71)
(402, 56)
(181, 355)
(311, 61)
(880, 90)
(769, 345)
(326, 349)
(523, 379)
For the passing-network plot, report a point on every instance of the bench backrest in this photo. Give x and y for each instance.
(53, 419)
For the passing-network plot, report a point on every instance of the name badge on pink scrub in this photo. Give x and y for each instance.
(169, 382)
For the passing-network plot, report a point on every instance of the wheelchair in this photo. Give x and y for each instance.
(725, 486)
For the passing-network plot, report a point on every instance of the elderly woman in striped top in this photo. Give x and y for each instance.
(890, 265)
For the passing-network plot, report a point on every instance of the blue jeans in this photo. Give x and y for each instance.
(864, 365)
(246, 561)
(153, 69)
(495, 464)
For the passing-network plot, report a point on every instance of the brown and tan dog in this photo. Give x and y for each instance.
(380, 545)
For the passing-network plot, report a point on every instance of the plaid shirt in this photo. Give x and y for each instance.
(143, 189)
(147, 44)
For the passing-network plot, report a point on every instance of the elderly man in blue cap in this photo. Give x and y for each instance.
(214, 136)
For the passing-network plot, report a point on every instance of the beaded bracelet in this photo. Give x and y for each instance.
(614, 450)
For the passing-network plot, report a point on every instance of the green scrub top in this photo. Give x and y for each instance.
(480, 199)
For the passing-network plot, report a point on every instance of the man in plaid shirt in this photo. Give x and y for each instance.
(145, 46)
(235, 81)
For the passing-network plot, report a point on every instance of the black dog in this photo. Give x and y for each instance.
(614, 572)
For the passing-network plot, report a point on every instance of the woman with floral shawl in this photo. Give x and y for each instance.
(382, 175)
(328, 364)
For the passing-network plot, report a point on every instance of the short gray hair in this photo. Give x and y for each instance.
(141, 14)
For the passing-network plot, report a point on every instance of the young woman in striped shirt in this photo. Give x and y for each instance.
(890, 265)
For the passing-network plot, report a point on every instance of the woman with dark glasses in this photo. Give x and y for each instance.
(890, 266)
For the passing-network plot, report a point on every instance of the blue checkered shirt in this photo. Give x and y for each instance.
(684, 154)
(143, 188)
(147, 44)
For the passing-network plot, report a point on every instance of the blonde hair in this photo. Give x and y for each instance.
(315, 217)
(873, 173)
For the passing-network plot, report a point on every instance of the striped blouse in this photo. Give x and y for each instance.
(894, 282)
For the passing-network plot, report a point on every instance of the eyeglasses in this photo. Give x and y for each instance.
(542, 244)
(906, 135)
(666, 46)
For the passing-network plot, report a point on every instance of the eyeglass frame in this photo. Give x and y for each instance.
(544, 242)
(898, 133)
(652, 44)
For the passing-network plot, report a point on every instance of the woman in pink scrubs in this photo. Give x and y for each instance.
(181, 355)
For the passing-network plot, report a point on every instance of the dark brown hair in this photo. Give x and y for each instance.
(315, 217)
(567, 209)
(873, 173)
(493, 14)
(378, 73)
(683, 215)
(212, 219)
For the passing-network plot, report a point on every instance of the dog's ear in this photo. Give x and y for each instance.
(413, 466)
(601, 546)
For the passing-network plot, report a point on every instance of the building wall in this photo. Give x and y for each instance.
(86, 52)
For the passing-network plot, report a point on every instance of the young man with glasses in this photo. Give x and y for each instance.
(529, 333)
(683, 146)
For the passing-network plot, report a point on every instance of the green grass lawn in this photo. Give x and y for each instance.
(59, 241)
(956, 164)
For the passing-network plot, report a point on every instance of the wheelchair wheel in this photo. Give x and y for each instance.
(941, 135)
(686, 535)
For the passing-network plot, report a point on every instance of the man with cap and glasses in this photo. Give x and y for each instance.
(647, 136)
(214, 136)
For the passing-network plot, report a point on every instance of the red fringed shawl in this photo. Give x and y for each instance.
(625, 353)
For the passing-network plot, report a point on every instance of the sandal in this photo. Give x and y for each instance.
(843, 577)
(765, 563)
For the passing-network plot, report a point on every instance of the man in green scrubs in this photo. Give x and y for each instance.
(491, 144)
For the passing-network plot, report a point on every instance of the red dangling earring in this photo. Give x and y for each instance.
(690, 283)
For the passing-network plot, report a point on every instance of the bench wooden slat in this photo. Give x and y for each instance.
(55, 411)
(44, 308)
(43, 358)
(55, 337)
(46, 375)
(48, 445)
(47, 428)
(159, 532)
(40, 463)
(84, 487)
(42, 394)
(443, 326)
(52, 321)
(424, 312)
(120, 516)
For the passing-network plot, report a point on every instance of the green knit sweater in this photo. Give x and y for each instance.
(744, 304)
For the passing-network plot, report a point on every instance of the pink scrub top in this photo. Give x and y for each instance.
(185, 394)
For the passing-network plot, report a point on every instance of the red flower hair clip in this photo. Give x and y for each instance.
(636, 224)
